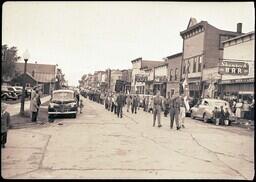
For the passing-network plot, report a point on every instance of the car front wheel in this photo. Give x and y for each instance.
(192, 115)
(205, 118)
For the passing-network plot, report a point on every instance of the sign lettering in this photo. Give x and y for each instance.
(234, 68)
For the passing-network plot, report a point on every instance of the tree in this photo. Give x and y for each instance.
(9, 58)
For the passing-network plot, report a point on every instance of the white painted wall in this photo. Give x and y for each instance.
(240, 51)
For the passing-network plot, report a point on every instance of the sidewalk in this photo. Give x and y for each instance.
(14, 109)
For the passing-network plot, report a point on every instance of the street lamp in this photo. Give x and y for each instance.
(25, 57)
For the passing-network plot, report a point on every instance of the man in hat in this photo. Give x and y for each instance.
(5, 123)
(157, 107)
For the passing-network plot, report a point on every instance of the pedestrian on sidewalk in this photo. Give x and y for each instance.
(222, 115)
(135, 102)
(157, 104)
(128, 102)
(239, 107)
(38, 101)
(150, 105)
(34, 108)
(5, 124)
(182, 110)
(226, 117)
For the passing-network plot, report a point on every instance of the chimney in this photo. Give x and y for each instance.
(239, 28)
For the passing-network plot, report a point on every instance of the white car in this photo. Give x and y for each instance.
(204, 110)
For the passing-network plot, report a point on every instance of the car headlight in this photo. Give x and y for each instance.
(51, 104)
(73, 104)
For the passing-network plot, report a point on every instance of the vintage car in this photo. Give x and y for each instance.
(62, 102)
(7, 94)
(204, 109)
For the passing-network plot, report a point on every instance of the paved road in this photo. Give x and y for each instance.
(14, 109)
(97, 144)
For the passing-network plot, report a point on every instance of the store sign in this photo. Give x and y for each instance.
(141, 78)
(160, 79)
(234, 68)
(245, 80)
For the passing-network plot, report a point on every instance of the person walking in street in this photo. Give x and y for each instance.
(166, 106)
(182, 111)
(5, 124)
(171, 103)
(177, 104)
(34, 107)
(150, 105)
(157, 104)
(135, 103)
(128, 102)
(120, 103)
(146, 103)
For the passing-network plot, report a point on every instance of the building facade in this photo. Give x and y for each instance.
(237, 67)
(160, 79)
(36, 74)
(202, 49)
(139, 75)
(173, 74)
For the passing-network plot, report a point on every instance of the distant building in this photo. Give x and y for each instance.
(139, 75)
(160, 79)
(41, 74)
(173, 74)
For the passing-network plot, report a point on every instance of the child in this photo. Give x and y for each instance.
(81, 105)
(216, 115)
(226, 117)
(5, 123)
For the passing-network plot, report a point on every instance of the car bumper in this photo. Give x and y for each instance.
(68, 112)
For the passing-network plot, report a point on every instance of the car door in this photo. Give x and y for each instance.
(201, 108)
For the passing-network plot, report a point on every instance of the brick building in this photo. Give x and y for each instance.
(202, 49)
(173, 74)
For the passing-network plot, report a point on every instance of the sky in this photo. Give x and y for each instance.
(83, 37)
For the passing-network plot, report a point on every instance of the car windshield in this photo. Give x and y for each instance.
(63, 96)
(218, 104)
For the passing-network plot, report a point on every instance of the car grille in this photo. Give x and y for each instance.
(62, 108)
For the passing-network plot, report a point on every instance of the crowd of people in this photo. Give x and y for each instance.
(175, 106)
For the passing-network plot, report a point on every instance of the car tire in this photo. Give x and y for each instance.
(4, 97)
(73, 115)
(205, 119)
(191, 115)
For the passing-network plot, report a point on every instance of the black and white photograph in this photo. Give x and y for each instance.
(127, 90)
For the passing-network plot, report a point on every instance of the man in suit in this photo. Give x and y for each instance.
(120, 103)
(157, 107)
(135, 102)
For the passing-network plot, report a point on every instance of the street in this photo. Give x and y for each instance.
(97, 144)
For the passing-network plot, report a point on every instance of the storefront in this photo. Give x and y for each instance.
(239, 88)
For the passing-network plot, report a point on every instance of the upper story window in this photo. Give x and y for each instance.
(171, 75)
(176, 74)
(199, 63)
(194, 64)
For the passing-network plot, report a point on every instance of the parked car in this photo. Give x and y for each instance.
(7, 94)
(28, 91)
(17, 90)
(62, 102)
(204, 109)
